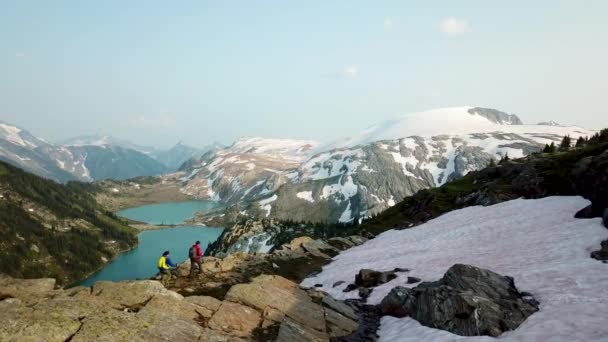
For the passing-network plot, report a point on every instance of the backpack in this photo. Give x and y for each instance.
(192, 252)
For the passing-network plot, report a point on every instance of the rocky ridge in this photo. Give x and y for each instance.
(239, 298)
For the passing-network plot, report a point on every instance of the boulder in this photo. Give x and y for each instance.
(364, 293)
(281, 294)
(357, 240)
(400, 302)
(183, 269)
(602, 253)
(235, 319)
(296, 243)
(467, 301)
(113, 325)
(292, 331)
(207, 306)
(340, 307)
(51, 320)
(320, 248)
(172, 306)
(371, 278)
(340, 243)
(413, 280)
(210, 265)
(130, 293)
(338, 324)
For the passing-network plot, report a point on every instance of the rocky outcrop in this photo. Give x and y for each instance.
(268, 308)
(467, 301)
(266, 235)
(496, 116)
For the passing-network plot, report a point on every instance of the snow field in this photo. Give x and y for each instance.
(538, 242)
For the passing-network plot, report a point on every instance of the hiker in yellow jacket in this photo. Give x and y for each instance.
(166, 267)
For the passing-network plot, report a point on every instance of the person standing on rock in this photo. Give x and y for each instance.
(166, 267)
(196, 256)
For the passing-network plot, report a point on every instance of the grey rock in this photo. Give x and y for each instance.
(364, 293)
(338, 283)
(371, 278)
(496, 116)
(413, 280)
(467, 301)
(340, 307)
(400, 302)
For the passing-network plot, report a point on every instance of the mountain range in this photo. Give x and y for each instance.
(88, 158)
(364, 174)
(303, 180)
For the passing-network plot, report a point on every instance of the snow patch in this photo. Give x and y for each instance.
(306, 195)
(538, 242)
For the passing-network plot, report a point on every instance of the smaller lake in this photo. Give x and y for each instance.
(167, 213)
(140, 263)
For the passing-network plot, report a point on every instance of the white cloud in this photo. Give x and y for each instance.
(454, 26)
(346, 73)
(157, 121)
(388, 24)
(19, 54)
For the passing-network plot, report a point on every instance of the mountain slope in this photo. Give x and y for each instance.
(55, 230)
(581, 171)
(19, 147)
(115, 162)
(177, 155)
(361, 178)
(250, 168)
(88, 158)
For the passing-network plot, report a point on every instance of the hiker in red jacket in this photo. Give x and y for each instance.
(196, 256)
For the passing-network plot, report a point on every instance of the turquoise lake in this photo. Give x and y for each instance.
(140, 263)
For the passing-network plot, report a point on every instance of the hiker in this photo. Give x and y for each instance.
(195, 255)
(166, 267)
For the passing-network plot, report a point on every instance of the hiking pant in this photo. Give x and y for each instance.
(166, 274)
(198, 262)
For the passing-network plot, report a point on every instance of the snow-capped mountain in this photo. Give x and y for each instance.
(172, 158)
(248, 169)
(365, 174)
(106, 140)
(20, 148)
(74, 162)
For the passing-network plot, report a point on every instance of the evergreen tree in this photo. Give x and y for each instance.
(492, 163)
(547, 149)
(565, 144)
(580, 142)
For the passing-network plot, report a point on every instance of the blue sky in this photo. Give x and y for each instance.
(156, 72)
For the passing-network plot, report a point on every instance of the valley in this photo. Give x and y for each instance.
(300, 221)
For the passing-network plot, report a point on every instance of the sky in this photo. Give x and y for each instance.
(158, 72)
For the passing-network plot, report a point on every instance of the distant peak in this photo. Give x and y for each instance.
(549, 123)
(496, 116)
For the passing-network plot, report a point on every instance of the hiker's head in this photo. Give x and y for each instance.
(197, 243)
(165, 253)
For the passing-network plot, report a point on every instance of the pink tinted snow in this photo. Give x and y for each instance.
(538, 242)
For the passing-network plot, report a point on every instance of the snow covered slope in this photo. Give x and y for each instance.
(538, 242)
(250, 168)
(450, 121)
(369, 172)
